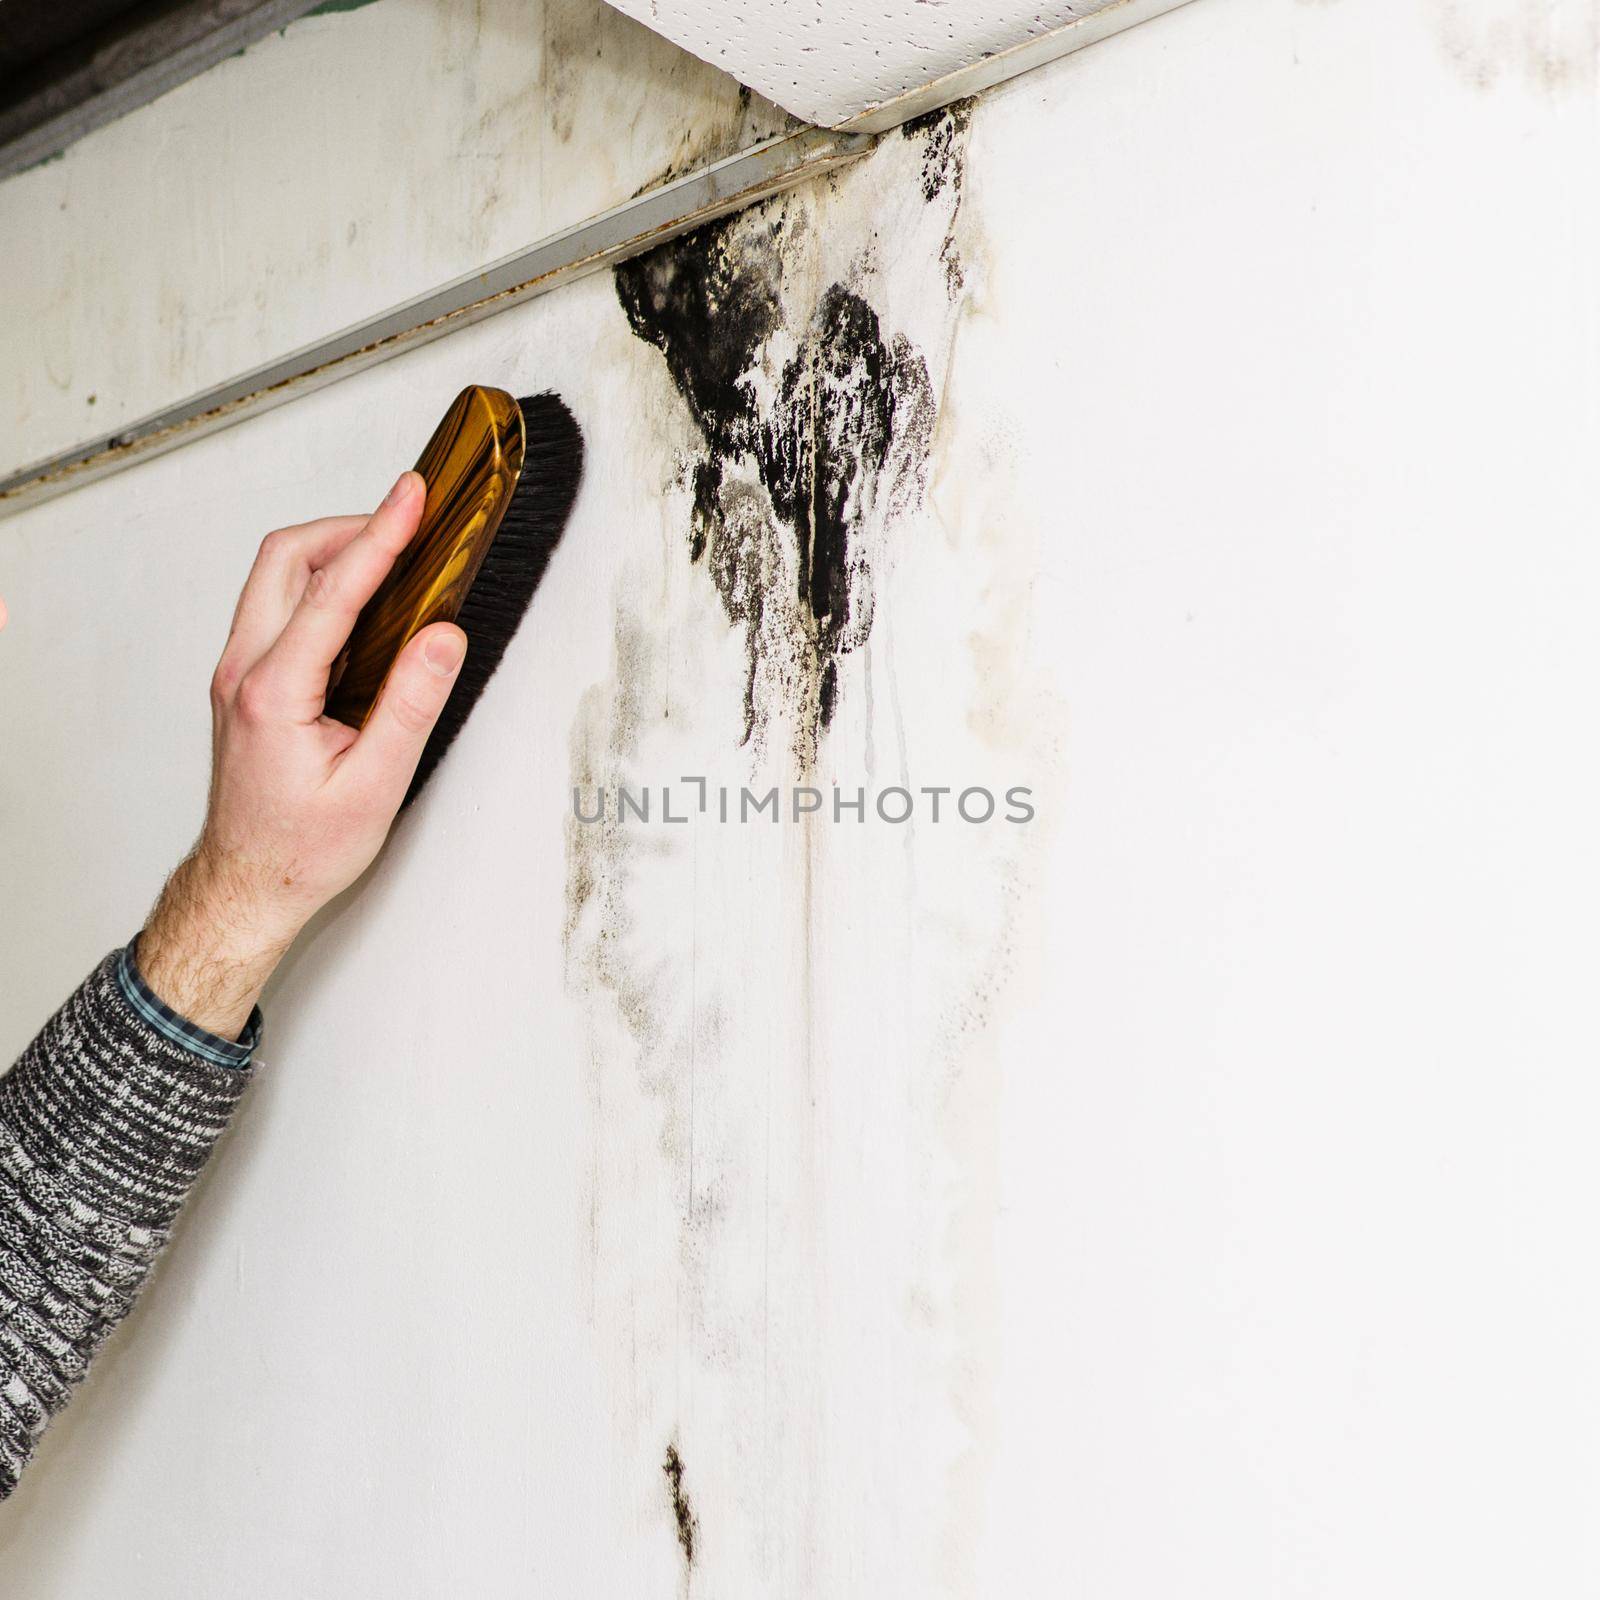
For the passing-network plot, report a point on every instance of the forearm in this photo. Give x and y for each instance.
(105, 1123)
(212, 942)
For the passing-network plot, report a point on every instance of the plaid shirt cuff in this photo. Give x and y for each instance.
(186, 1035)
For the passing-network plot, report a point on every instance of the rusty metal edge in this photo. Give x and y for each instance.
(626, 230)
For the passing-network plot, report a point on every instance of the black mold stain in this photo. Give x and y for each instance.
(709, 314)
(943, 157)
(944, 166)
(841, 435)
(709, 310)
(843, 401)
(682, 1511)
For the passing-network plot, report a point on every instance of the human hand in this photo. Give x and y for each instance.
(300, 804)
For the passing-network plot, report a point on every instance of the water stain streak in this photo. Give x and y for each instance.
(682, 1511)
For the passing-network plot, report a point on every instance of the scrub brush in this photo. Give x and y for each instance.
(501, 476)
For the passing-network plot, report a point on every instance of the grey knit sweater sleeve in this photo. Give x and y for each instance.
(105, 1123)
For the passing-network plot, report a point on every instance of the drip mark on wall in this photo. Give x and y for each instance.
(682, 1511)
(785, 367)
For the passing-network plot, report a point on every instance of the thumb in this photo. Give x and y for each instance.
(386, 753)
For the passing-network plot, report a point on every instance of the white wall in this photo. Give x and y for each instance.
(1188, 1193)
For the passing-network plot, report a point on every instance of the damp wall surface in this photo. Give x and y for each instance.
(1186, 1191)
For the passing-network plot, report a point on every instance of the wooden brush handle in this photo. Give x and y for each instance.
(470, 466)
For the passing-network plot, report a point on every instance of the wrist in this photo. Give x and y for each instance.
(211, 944)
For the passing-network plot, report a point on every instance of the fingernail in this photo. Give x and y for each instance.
(443, 654)
(399, 488)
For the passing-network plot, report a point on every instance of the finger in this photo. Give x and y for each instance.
(297, 663)
(278, 578)
(385, 755)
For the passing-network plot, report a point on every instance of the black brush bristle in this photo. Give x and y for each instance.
(552, 468)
